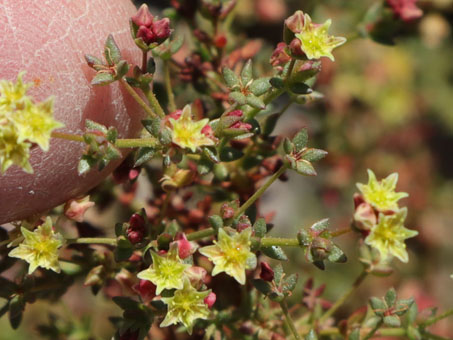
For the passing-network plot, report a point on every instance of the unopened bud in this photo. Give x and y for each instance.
(267, 273)
(185, 247)
(146, 289)
(196, 275)
(75, 209)
(210, 299)
(143, 16)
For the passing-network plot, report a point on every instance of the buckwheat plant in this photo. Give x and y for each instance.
(194, 258)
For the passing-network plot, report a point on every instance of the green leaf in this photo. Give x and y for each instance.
(94, 62)
(300, 88)
(112, 52)
(121, 69)
(216, 222)
(314, 155)
(7, 288)
(125, 302)
(204, 165)
(402, 306)
(143, 155)
(231, 79)
(355, 334)
(305, 168)
(262, 286)
(311, 335)
(300, 140)
(176, 44)
(238, 97)
(390, 297)
(392, 321)
(260, 86)
(93, 126)
(278, 83)
(85, 164)
(288, 146)
(101, 79)
(270, 123)
(336, 255)
(151, 66)
(16, 309)
(247, 73)
(275, 252)
(278, 273)
(153, 126)
(260, 227)
(290, 283)
(412, 313)
(255, 102)
(304, 238)
(229, 154)
(378, 306)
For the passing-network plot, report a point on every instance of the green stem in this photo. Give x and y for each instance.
(170, 94)
(260, 191)
(382, 332)
(289, 321)
(290, 69)
(137, 98)
(197, 235)
(373, 331)
(271, 96)
(340, 232)
(435, 319)
(121, 143)
(343, 298)
(92, 240)
(153, 102)
(267, 242)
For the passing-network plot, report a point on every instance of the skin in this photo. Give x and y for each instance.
(49, 39)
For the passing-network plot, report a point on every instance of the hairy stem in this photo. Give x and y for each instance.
(260, 192)
(435, 319)
(343, 298)
(289, 321)
(170, 94)
(153, 102)
(138, 99)
(92, 240)
(121, 143)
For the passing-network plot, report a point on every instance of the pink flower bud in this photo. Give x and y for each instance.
(185, 247)
(143, 16)
(175, 115)
(406, 10)
(296, 47)
(295, 22)
(161, 29)
(365, 217)
(75, 209)
(146, 34)
(280, 57)
(207, 130)
(134, 236)
(226, 211)
(235, 113)
(146, 289)
(241, 126)
(210, 299)
(267, 273)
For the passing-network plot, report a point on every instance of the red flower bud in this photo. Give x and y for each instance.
(210, 299)
(185, 247)
(242, 126)
(235, 113)
(143, 16)
(296, 47)
(134, 236)
(220, 41)
(137, 222)
(280, 57)
(207, 130)
(146, 289)
(161, 29)
(267, 273)
(295, 22)
(146, 34)
(406, 10)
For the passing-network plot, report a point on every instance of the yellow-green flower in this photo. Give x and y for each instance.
(166, 272)
(187, 133)
(35, 123)
(40, 247)
(388, 235)
(231, 254)
(315, 40)
(381, 194)
(22, 123)
(185, 306)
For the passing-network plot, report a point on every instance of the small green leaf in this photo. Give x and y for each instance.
(314, 155)
(121, 69)
(16, 309)
(151, 66)
(255, 102)
(290, 283)
(153, 126)
(300, 140)
(101, 79)
(176, 44)
(275, 252)
(378, 305)
(112, 52)
(229, 154)
(355, 334)
(278, 273)
(390, 297)
(288, 146)
(276, 82)
(336, 255)
(126, 302)
(247, 73)
(392, 321)
(305, 168)
(260, 86)
(216, 222)
(321, 225)
(94, 62)
(270, 123)
(311, 335)
(238, 97)
(231, 79)
(412, 314)
(260, 227)
(143, 155)
(85, 164)
(300, 88)
(204, 165)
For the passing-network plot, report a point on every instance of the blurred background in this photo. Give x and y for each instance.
(387, 108)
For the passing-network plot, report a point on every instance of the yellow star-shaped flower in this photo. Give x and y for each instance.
(315, 40)
(13, 152)
(231, 254)
(381, 194)
(166, 272)
(187, 133)
(185, 306)
(388, 235)
(40, 247)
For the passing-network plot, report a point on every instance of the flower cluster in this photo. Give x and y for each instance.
(378, 215)
(22, 124)
(40, 247)
(148, 32)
